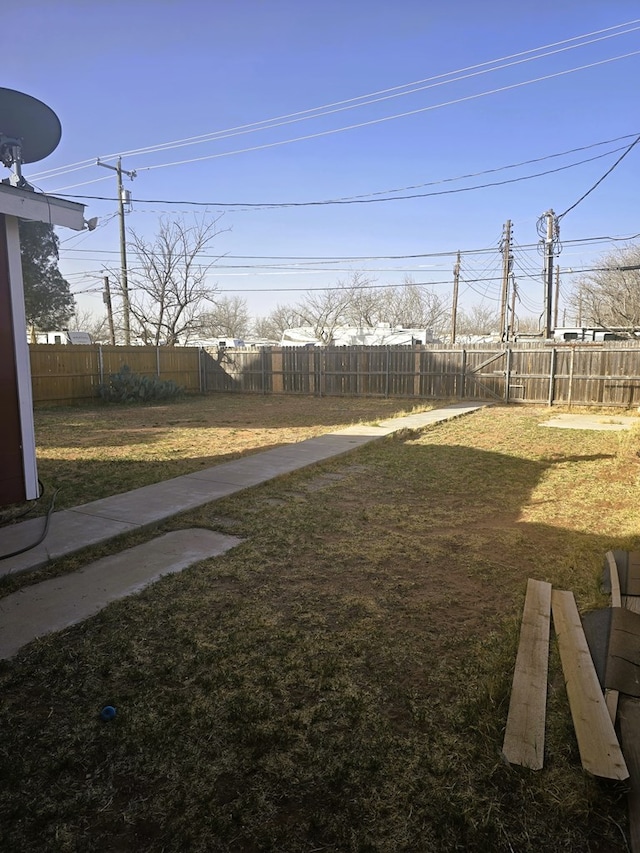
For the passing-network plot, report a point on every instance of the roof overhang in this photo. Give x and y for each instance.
(28, 204)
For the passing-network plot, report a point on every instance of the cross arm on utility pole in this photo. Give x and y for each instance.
(130, 174)
(123, 243)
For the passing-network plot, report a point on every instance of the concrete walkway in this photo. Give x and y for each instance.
(54, 604)
(90, 524)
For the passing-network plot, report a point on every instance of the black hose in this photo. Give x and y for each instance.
(7, 521)
(42, 535)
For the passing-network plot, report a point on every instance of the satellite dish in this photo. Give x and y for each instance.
(29, 131)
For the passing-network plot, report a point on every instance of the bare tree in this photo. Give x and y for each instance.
(274, 324)
(416, 306)
(528, 324)
(478, 320)
(360, 302)
(229, 318)
(610, 297)
(323, 311)
(86, 321)
(168, 281)
(363, 303)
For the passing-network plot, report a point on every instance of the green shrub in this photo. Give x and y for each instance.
(128, 387)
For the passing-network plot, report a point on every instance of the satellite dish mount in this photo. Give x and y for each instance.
(29, 131)
(11, 156)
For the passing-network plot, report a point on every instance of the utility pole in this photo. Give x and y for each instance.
(106, 296)
(514, 294)
(579, 317)
(123, 244)
(549, 251)
(506, 269)
(454, 306)
(556, 299)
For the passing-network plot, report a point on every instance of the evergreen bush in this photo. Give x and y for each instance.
(128, 387)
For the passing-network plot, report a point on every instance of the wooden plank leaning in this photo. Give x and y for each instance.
(611, 696)
(599, 748)
(524, 733)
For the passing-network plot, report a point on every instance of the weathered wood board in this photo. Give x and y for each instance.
(524, 733)
(633, 573)
(611, 695)
(623, 662)
(629, 719)
(599, 748)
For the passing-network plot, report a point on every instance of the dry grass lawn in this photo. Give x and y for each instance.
(339, 681)
(94, 451)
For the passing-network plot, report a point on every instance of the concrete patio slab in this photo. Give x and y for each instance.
(59, 602)
(594, 422)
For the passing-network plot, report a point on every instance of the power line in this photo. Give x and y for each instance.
(428, 183)
(345, 201)
(375, 286)
(383, 119)
(327, 108)
(319, 260)
(600, 180)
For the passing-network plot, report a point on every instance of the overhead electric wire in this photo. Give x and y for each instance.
(483, 274)
(383, 119)
(600, 180)
(445, 282)
(372, 97)
(527, 247)
(345, 201)
(424, 184)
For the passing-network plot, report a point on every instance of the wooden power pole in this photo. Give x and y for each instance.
(454, 306)
(107, 301)
(549, 251)
(506, 269)
(122, 196)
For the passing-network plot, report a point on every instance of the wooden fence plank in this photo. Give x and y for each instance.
(524, 734)
(599, 748)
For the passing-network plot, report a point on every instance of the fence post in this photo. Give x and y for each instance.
(552, 376)
(311, 369)
(571, 364)
(416, 373)
(507, 375)
(277, 376)
(158, 362)
(386, 378)
(463, 377)
(100, 364)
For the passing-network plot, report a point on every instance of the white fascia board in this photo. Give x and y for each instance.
(23, 366)
(27, 204)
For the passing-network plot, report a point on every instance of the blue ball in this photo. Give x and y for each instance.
(108, 713)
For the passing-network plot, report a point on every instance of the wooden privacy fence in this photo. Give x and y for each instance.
(567, 374)
(66, 373)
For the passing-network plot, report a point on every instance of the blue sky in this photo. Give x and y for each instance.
(124, 76)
